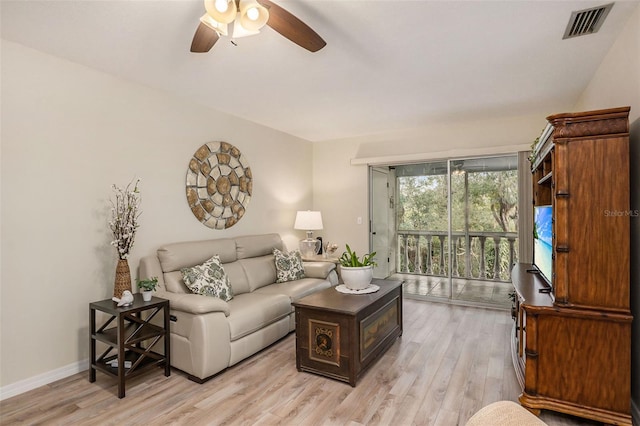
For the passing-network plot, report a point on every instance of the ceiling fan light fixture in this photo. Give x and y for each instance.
(223, 11)
(238, 31)
(253, 15)
(219, 27)
(221, 5)
(241, 18)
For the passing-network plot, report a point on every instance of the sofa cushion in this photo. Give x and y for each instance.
(208, 279)
(237, 277)
(252, 311)
(260, 271)
(174, 283)
(257, 245)
(288, 266)
(297, 289)
(174, 257)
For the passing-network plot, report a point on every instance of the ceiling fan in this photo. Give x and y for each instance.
(240, 18)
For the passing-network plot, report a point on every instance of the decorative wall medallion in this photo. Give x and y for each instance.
(219, 184)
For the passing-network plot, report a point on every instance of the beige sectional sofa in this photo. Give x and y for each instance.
(209, 334)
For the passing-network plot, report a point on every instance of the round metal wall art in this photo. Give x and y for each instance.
(219, 185)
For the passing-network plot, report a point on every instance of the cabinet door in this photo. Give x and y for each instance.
(517, 344)
(522, 330)
(530, 338)
(578, 351)
(592, 224)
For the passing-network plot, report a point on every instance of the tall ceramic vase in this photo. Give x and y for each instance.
(123, 278)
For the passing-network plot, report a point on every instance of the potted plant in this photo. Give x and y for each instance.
(356, 272)
(147, 286)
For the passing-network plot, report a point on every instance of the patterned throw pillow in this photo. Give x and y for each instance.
(288, 266)
(208, 279)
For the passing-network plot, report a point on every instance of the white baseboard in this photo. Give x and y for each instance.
(42, 379)
(635, 413)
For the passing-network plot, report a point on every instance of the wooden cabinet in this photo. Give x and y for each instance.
(572, 337)
(342, 335)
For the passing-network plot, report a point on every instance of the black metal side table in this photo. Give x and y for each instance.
(126, 338)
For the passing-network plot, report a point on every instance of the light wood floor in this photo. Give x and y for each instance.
(479, 292)
(450, 361)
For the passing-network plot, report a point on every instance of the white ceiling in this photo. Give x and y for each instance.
(388, 65)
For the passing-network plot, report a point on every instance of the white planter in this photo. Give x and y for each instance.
(356, 278)
(146, 295)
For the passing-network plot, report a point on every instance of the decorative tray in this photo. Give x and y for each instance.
(371, 289)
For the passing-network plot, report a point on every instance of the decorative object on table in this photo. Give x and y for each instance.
(309, 221)
(125, 300)
(147, 286)
(219, 185)
(371, 288)
(114, 363)
(329, 249)
(356, 273)
(125, 212)
(123, 278)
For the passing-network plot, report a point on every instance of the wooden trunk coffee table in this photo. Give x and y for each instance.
(340, 335)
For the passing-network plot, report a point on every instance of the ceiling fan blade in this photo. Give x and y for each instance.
(204, 39)
(292, 28)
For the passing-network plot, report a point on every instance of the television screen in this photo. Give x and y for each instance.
(542, 241)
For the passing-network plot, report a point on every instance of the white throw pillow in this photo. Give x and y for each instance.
(208, 279)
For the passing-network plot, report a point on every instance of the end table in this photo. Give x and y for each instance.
(126, 338)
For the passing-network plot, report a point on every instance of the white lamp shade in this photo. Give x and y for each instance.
(219, 27)
(308, 220)
(216, 9)
(253, 15)
(238, 30)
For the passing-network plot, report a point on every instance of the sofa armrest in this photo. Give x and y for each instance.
(318, 269)
(194, 303)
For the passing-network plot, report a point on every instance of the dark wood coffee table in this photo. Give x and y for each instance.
(340, 335)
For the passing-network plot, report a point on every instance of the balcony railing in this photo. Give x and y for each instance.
(476, 255)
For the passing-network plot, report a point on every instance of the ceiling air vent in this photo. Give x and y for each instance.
(587, 21)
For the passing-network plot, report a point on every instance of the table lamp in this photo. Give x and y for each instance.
(309, 221)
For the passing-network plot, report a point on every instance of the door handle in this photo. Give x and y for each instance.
(373, 233)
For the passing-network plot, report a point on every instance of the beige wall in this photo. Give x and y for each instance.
(617, 83)
(340, 172)
(340, 193)
(68, 133)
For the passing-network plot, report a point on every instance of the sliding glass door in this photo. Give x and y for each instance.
(457, 224)
(423, 227)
